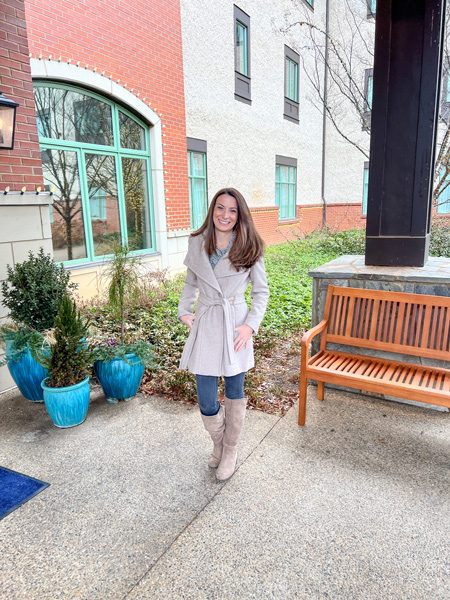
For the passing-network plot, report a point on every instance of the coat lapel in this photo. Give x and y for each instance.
(197, 260)
(224, 268)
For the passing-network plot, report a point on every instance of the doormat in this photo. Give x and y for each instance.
(16, 489)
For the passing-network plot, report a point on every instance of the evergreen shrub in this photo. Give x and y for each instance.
(33, 288)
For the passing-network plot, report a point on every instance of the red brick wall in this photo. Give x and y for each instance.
(138, 43)
(308, 219)
(21, 166)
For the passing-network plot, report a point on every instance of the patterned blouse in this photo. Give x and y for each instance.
(217, 255)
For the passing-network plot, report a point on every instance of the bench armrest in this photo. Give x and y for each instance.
(311, 333)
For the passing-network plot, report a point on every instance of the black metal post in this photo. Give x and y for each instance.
(409, 39)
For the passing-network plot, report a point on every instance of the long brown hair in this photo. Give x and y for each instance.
(248, 246)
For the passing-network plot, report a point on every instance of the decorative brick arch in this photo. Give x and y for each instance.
(63, 72)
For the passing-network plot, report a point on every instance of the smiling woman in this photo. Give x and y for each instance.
(224, 258)
(95, 156)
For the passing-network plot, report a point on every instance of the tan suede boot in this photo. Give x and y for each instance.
(215, 426)
(235, 411)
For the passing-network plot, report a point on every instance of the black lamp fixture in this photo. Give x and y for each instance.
(7, 122)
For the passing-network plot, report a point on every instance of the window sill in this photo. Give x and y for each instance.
(241, 99)
(291, 119)
(288, 221)
(99, 263)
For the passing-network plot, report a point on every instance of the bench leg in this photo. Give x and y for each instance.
(320, 390)
(302, 399)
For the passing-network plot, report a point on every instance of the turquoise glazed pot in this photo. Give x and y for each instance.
(120, 380)
(27, 373)
(67, 406)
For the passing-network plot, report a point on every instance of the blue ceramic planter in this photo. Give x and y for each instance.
(67, 406)
(27, 373)
(120, 380)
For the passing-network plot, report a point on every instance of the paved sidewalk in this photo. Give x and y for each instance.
(355, 505)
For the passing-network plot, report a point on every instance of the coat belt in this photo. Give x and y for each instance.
(204, 304)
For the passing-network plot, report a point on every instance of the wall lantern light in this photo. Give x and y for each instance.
(7, 122)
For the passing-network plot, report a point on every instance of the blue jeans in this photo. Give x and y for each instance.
(207, 392)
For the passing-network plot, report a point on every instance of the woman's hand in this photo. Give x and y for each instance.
(245, 333)
(188, 320)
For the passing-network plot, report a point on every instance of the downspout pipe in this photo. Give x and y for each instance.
(324, 116)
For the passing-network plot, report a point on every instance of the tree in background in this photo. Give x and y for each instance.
(338, 67)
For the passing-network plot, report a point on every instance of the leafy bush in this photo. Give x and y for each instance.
(352, 241)
(22, 339)
(440, 236)
(33, 289)
(109, 348)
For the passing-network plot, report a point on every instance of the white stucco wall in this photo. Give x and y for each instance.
(353, 32)
(243, 140)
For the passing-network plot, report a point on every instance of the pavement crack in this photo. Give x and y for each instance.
(220, 487)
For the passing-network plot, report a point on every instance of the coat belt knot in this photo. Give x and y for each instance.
(204, 304)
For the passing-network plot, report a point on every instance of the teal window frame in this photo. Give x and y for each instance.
(244, 28)
(197, 217)
(365, 188)
(242, 69)
(369, 91)
(287, 211)
(372, 7)
(291, 85)
(291, 79)
(443, 206)
(118, 152)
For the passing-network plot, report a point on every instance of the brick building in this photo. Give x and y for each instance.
(143, 73)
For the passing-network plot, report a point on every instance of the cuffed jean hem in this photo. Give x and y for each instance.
(207, 391)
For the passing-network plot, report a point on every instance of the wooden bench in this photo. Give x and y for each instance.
(394, 322)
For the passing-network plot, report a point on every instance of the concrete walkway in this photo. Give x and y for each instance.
(355, 505)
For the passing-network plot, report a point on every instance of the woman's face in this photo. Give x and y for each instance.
(225, 213)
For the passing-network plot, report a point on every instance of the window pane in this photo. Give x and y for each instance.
(369, 91)
(137, 207)
(284, 174)
(198, 202)
(68, 115)
(97, 203)
(198, 164)
(241, 48)
(291, 79)
(197, 188)
(291, 201)
(60, 169)
(132, 135)
(102, 182)
(284, 201)
(292, 175)
(365, 191)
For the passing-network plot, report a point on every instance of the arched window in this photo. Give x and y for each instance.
(96, 158)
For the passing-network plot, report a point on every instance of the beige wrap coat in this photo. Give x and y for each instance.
(221, 307)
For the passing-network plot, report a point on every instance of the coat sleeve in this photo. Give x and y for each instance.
(189, 295)
(260, 295)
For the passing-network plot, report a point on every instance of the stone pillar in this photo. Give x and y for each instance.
(406, 95)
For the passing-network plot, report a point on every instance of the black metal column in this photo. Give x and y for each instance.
(406, 91)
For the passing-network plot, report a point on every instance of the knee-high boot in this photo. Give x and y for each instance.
(235, 415)
(215, 426)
